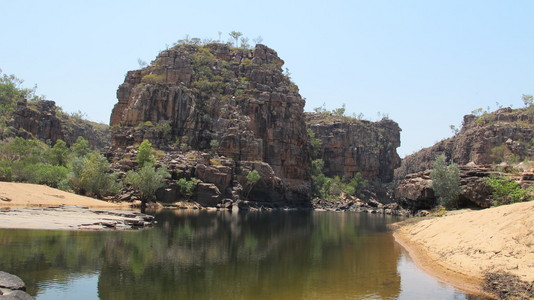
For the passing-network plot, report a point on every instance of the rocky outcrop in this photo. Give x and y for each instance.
(415, 191)
(45, 121)
(503, 135)
(350, 146)
(12, 287)
(234, 105)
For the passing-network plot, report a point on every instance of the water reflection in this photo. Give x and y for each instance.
(218, 255)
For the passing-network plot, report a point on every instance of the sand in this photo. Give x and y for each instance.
(31, 206)
(461, 247)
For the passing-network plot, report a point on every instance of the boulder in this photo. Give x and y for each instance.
(12, 282)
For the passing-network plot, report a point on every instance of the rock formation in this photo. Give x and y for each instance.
(45, 121)
(233, 103)
(350, 146)
(505, 134)
(485, 146)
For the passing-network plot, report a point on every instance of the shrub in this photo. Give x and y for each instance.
(252, 178)
(187, 186)
(446, 182)
(147, 181)
(153, 78)
(43, 173)
(59, 154)
(506, 191)
(144, 154)
(89, 176)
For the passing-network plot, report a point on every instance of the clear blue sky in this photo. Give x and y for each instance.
(423, 63)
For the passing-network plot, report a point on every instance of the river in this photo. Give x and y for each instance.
(222, 255)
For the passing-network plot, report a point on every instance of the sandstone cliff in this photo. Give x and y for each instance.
(44, 120)
(504, 135)
(234, 105)
(349, 146)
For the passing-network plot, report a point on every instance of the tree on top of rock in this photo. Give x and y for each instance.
(236, 35)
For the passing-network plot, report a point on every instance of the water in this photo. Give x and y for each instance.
(220, 255)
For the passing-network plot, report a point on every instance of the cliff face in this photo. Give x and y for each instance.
(350, 146)
(44, 120)
(502, 135)
(235, 103)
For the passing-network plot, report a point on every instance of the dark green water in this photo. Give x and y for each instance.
(220, 255)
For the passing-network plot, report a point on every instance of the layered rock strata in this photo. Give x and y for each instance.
(44, 120)
(234, 105)
(504, 135)
(350, 146)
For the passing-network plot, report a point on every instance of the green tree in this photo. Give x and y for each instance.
(316, 143)
(252, 178)
(59, 154)
(147, 181)
(236, 35)
(144, 154)
(90, 175)
(446, 182)
(339, 111)
(80, 147)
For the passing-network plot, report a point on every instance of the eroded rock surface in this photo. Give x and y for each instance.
(234, 105)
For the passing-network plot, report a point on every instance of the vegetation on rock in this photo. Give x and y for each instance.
(446, 182)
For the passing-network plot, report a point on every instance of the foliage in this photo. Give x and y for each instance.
(45, 173)
(446, 182)
(153, 78)
(187, 186)
(252, 178)
(144, 154)
(331, 188)
(235, 35)
(528, 100)
(502, 153)
(89, 175)
(80, 147)
(506, 191)
(339, 111)
(59, 154)
(147, 180)
(316, 143)
(11, 91)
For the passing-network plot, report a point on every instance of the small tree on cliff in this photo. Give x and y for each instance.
(252, 178)
(144, 154)
(236, 35)
(446, 182)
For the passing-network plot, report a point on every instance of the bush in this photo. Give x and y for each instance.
(147, 181)
(506, 191)
(446, 182)
(187, 186)
(43, 173)
(144, 154)
(89, 176)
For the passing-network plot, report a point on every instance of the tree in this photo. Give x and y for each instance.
(244, 43)
(187, 186)
(236, 35)
(80, 147)
(252, 178)
(144, 154)
(446, 182)
(258, 40)
(339, 111)
(90, 175)
(59, 154)
(528, 100)
(147, 181)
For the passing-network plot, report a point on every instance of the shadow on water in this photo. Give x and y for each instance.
(222, 255)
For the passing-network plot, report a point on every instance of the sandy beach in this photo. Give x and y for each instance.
(461, 247)
(31, 206)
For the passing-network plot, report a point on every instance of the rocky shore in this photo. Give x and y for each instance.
(12, 287)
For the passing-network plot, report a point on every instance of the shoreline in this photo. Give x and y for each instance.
(431, 266)
(464, 247)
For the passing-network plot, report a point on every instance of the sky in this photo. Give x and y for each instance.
(423, 64)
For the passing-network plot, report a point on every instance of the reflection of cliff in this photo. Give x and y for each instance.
(286, 255)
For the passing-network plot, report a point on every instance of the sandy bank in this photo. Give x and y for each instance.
(460, 248)
(14, 194)
(31, 206)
